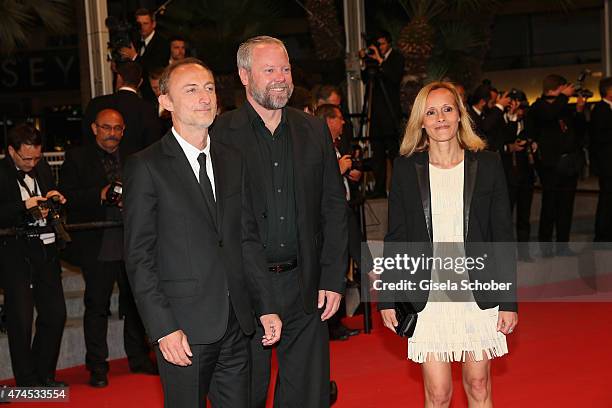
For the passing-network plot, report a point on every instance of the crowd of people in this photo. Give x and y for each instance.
(238, 229)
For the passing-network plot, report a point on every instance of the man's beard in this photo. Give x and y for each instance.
(269, 100)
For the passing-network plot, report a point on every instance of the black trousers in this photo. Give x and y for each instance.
(603, 217)
(100, 278)
(385, 146)
(558, 193)
(32, 278)
(302, 352)
(220, 371)
(521, 196)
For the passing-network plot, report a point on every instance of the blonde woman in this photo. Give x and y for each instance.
(446, 189)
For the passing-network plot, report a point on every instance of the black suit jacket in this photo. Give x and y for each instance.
(184, 268)
(601, 138)
(12, 208)
(82, 178)
(494, 129)
(319, 196)
(386, 116)
(156, 55)
(142, 124)
(487, 218)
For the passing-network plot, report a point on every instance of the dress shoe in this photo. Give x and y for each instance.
(52, 382)
(333, 392)
(338, 335)
(146, 367)
(348, 331)
(98, 379)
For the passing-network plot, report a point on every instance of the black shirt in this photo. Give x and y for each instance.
(276, 158)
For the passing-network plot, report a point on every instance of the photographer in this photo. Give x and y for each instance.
(384, 66)
(91, 179)
(29, 262)
(558, 129)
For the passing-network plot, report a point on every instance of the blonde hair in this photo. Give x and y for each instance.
(244, 56)
(416, 138)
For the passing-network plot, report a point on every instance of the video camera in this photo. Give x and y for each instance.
(122, 34)
(55, 219)
(114, 194)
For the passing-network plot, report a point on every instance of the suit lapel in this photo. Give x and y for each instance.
(470, 169)
(421, 165)
(298, 135)
(220, 169)
(184, 173)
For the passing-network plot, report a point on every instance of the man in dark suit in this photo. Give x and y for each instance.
(386, 108)
(151, 52)
(559, 130)
(193, 254)
(29, 261)
(142, 125)
(91, 179)
(601, 147)
(301, 214)
(476, 109)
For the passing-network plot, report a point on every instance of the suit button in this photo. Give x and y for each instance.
(264, 215)
(220, 244)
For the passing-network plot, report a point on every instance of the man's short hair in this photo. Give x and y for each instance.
(244, 56)
(483, 92)
(325, 91)
(131, 72)
(24, 133)
(144, 12)
(156, 73)
(301, 98)
(327, 111)
(552, 82)
(604, 85)
(177, 38)
(164, 80)
(383, 34)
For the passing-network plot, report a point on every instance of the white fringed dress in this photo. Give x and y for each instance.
(452, 330)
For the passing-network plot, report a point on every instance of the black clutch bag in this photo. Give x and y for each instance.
(406, 319)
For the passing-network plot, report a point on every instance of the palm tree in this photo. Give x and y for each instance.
(19, 19)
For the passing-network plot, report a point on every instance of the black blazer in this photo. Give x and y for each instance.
(142, 124)
(487, 218)
(12, 208)
(184, 268)
(82, 178)
(319, 196)
(601, 138)
(156, 55)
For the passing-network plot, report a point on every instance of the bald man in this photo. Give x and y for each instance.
(91, 176)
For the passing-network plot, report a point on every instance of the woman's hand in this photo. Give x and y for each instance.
(389, 319)
(507, 321)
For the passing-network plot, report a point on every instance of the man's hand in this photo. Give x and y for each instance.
(345, 163)
(272, 329)
(52, 193)
(104, 192)
(175, 348)
(128, 52)
(331, 300)
(389, 319)
(354, 175)
(503, 100)
(567, 89)
(517, 146)
(33, 201)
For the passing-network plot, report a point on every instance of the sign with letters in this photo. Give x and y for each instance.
(47, 70)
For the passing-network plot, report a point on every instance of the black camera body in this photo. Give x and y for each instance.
(122, 34)
(579, 89)
(114, 194)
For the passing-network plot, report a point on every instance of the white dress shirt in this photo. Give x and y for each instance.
(46, 238)
(192, 153)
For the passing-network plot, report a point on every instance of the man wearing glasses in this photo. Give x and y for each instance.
(29, 264)
(91, 179)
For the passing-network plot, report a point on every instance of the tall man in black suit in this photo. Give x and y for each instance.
(90, 177)
(142, 125)
(193, 254)
(29, 262)
(601, 147)
(301, 214)
(152, 51)
(386, 108)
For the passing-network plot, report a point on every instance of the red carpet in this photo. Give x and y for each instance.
(560, 356)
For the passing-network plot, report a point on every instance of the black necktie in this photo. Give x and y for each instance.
(207, 187)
